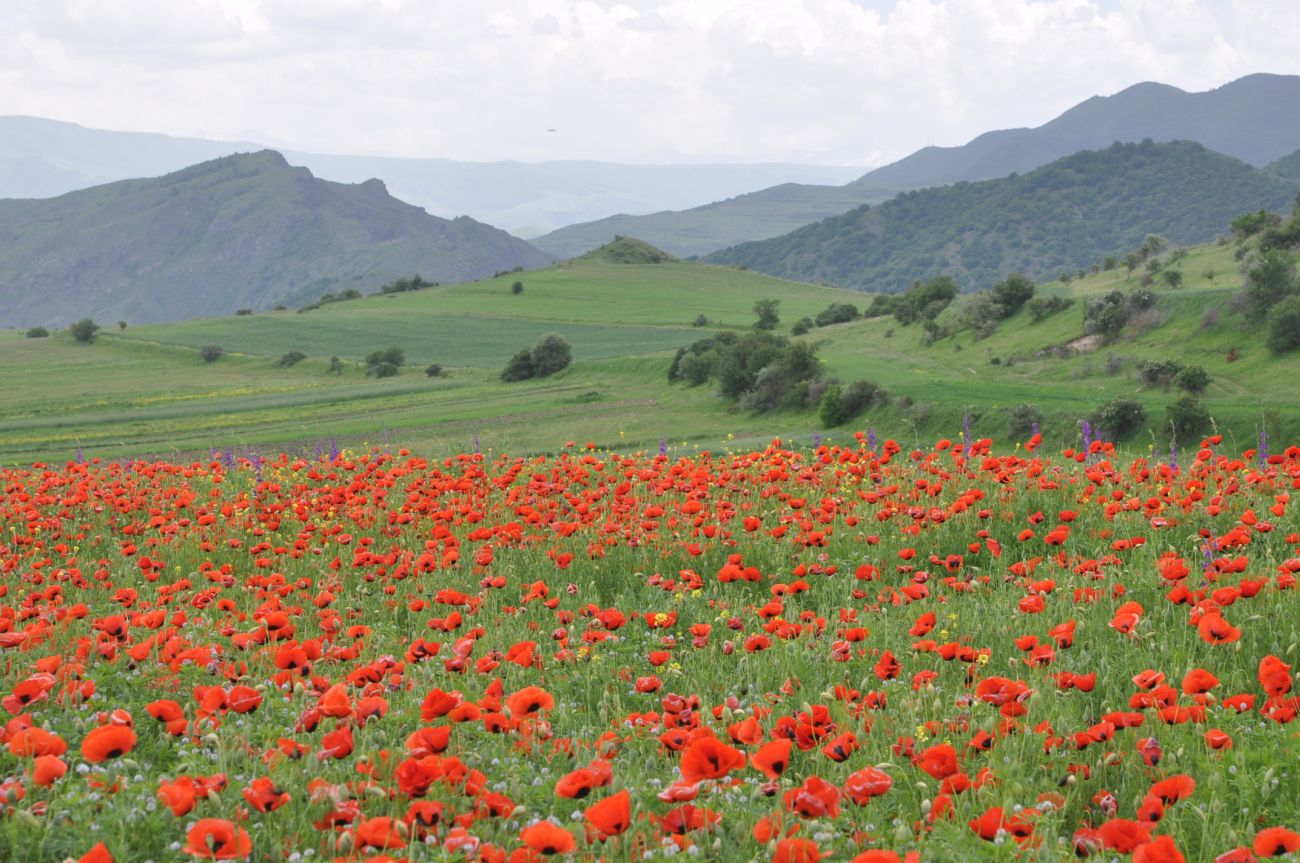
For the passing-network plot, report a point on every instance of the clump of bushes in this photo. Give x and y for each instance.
(1107, 315)
(759, 369)
(1119, 417)
(385, 363)
(84, 330)
(211, 353)
(1187, 419)
(290, 359)
(401, 286)
(1284, 326)
(551, 354)
(434, 370)
(37, 333)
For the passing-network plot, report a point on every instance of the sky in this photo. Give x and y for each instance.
(852, 82)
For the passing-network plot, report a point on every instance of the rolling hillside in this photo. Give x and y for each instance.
(1255, 119)
(145, 390)
(244, 231)
(1059, 218)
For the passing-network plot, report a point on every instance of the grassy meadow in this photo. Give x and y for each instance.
(145, 390)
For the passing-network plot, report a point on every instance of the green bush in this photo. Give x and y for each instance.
(1193, 379)
(84, 330)
(393, 356)
(831, 410)
(1119, 418)
(382, 369)
(1284, 326)
(550, 355)
(211, 353)
(837, 313)
(860, 396)
(517, 288)
(519, 368)
(434, 370)
(1187, 419)
(289, 359)
(37, 333)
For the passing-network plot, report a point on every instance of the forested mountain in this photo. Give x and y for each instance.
(1059, 218)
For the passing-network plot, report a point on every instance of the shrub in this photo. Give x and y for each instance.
(519, 368)
(767, 314)
(701, 320)
(1044, 307)
(550, 355)
(383, 369)
(837, 313)
(517, 288)
(289, 359)
(1012, 293)
(336, 365)
(1187, 419)
(121, 325)
(243, 312)
(37, 333)
(1120, 417)
(1193, 379)
(675, 367)
(1022, 420)
(831, 411)
(84, 330)
(1284, 326)
(881, 306)
(1268, 281)
(433, 370)
(393, 356)
(860, 396)
(802, 326)
(1159, 372)
(211, 353)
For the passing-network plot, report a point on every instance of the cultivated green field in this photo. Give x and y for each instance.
(144, 390)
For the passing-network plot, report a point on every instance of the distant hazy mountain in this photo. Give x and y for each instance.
(243, 231)
(1256, 119)
(42, 158)
(1064, 216)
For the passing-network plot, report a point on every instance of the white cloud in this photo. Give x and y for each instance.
(828, 80)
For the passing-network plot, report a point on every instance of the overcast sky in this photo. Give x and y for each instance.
(834, 81)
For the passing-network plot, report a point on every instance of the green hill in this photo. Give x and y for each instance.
(629, 250)
(146, 390)
(1059, 218)
(244, 231)
(1287, 166)
(1255, 119)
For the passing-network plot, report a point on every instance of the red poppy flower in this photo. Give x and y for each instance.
(865, 784)
(710, 758)
(1276, 841)
(546, 838)
(107, 741)
(217, 839)
(940, 761)
(611, 816)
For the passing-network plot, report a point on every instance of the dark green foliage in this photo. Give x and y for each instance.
(434, 370)
(675, 367)
(211, 353)
(925, 300)
(1187, 419)
(383, 369)
(1021, 421)
(1269, 280)
(1160, 372)
(243, 312)
(1282, 235)
(701, 320)
(802, 326)
(121, 325)
(1044, 307)
(1013, 292)
(1055, 219)
(831, 410)
(1284, 326)
(881, 305)
(1106, 315)
(1119, 418)
(836, 313)
(860, 396)
(1172, 278)
(37, 333)
(1193, 379)
(761, 370)
(401, 286)
(551, 354)
(517, 288)
(767, 314)
(290, 359)
(519, 368)
(84, 330)
(336, 366)
(393, 356)
(1250, 224)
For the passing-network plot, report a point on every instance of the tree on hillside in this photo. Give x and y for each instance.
(84, 330)
(768, 317)
(1271, 279)
(550, 355)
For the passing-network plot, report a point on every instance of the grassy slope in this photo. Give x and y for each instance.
(144, 390)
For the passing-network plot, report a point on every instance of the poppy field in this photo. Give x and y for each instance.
(861, 652)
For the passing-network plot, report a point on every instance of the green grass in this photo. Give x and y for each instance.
(145, 389)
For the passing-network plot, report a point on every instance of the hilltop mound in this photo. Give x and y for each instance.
(628, 250)
(241, 231)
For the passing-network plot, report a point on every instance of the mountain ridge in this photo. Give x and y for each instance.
(242, 231)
